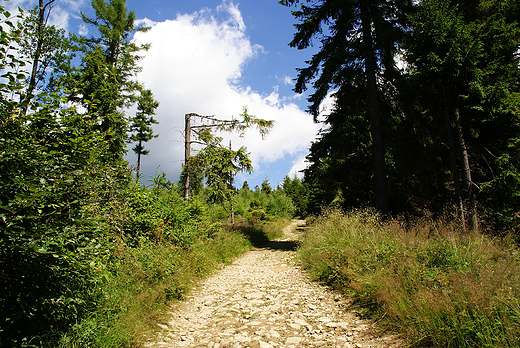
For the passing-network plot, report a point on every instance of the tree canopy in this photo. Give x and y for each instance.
(141, 126)
(426, 97)
(358, 44)
(63, 129)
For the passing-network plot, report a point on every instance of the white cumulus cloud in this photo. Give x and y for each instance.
(298, 165)
(195, 64)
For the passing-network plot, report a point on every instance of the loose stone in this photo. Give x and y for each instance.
(264, 299)
(293, 340)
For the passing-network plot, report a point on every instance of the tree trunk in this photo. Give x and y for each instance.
(454, 167)
(139, 159)
(378, 150)
(187, 154)
(37, 53)
(467, 182)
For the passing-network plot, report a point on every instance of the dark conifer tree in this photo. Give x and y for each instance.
(463, 55)
(358, 43)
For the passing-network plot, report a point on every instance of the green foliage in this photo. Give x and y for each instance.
(46, 46)
(46, 179)
(104, 84)
(139, 281)
(138, 284)
(468, 55)
(215, 162)
(220, 165)
(454, 97)
(115, 23)
(355, 65)
(50, 175)
(427, 281)
(266, 187)
(259, 205)
(279, 204)
(141, 125)
(296, 190)
(239, 125)
(61, 199)
(12, 76)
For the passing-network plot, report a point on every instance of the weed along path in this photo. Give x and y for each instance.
(265, 300)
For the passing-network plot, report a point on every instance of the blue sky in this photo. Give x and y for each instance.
(213, 57)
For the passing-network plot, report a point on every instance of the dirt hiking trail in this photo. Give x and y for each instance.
(264, 299)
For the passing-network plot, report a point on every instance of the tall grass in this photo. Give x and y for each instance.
(427, 281)
(138, 283)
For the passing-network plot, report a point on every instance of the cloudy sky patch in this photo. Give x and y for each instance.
(195, 64)
(214, 57)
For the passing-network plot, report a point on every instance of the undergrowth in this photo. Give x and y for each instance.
(427, 281)
(139, 283)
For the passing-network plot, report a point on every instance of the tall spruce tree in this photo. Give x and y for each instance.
(105, 82)
(358, 43)
(141, 126)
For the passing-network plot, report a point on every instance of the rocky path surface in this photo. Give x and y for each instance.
(265, 300)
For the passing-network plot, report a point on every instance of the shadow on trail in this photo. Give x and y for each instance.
(289, 245)
(260, 239)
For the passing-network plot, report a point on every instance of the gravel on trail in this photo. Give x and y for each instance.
(264, 299)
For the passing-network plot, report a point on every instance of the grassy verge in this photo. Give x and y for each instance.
(426, 281)
(138, 283)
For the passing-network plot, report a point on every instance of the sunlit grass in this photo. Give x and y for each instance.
(139, 283)
(426, 281)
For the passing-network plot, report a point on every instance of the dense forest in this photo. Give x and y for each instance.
(425, 124)
(426, 107)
